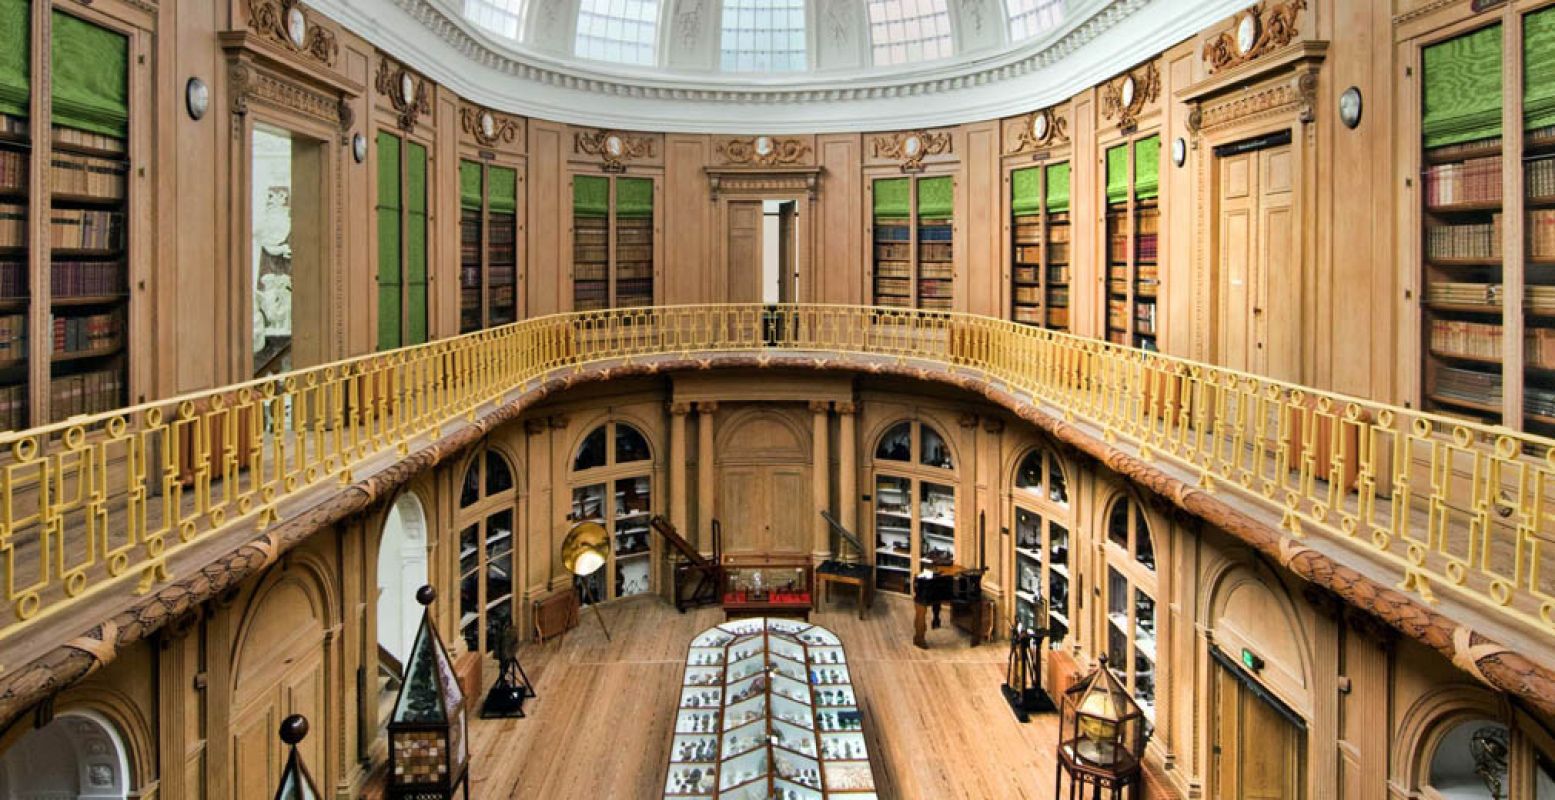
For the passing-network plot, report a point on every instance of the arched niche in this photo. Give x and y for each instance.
(1470, 760)
(761, 435)
(402, 569)
(1247, 610)
(79, 754)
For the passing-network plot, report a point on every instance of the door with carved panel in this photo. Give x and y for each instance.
(1257, 750)
(744, 251)
(1257, 270)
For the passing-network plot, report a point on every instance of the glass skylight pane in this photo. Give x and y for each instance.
(501, 17)
(762, 35)
(903, 30)
(623, 31)
(1031, 17)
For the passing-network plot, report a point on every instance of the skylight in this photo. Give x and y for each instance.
(1031, 17)
(763, 35)
(623, 31)
(902, 31)
(501, 17)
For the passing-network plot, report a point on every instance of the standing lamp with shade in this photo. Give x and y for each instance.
(1101, 739)
(428, 741)
(584, 551)
(296, 783)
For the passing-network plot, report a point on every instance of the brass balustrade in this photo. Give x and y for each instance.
(100, 503)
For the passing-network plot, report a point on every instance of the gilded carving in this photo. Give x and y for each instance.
(613, 147)
(487, 127)
(407, 92)
(1039, 129)
(287, 24)
(1253, 33)
(911, 147)
(1124, 97)
(765, 151)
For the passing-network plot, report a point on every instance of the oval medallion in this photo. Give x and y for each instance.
(912, 146)
(1246, 33)
(1128, 92)
(488, 125)
(1039, 127)
(407, 88)
(613, 145)
(296, 26)
(763, 145)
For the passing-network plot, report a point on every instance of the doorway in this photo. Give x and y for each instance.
(78, 755)
(1257, 260)
(763, 251)
(1258, 741)
(402, 570)
(287, 264)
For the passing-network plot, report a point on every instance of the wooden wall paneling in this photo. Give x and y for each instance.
(1179, 198)
(980, 224)
(1086, 275)
(690, 269)
(443, 262)
(360, 261)
(841, 250)
(550, 222)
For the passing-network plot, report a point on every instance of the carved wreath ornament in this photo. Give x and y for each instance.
(1124, 97)
(763, 151)
(284, 22)
(912, 147)
(406, 92)
(613, 148)
(1252, 33)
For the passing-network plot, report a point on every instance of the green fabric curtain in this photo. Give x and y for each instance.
(1026, 191)
(15, 57)
(415, 243)
(91, 68)
(1117, 174)
(504, 190)
(389, 251)
(1058, 188)
(893, 198)
(590, 196)
(1539, 69)
(634, 197)
(1147, 167)
(470, 185)
(936, 197)
(1462, 88)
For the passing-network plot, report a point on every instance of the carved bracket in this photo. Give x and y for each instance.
(763, 151)
(1041, 129)
(488, 128)
(1124, 97)
(911, 147)
(613, 148)
(407, 92)
(286, 23)
(1252, 33)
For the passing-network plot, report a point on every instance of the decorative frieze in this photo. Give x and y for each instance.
(613, 148)
(1295, 93)
(1124, 98)
(1252, 33)
(763, 151)
(250, 83)
(911, 147)
(287, 24)
(758, 181)
(409, 93)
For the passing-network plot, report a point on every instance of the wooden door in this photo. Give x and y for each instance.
(788, 262)
(1257, 750)
(790, 509)
(744, 267)
(1256, 266)
(742, 508)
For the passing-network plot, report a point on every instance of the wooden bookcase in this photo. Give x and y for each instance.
(489, 237)
(1040, 245)
(1486, 220)
(1130, 191)
(913, 241)
(67, 103)
(613, 241)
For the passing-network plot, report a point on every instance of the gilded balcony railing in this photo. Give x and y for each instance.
(101, 503)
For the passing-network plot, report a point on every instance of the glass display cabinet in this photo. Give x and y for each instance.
(767, 710)
(768, 587)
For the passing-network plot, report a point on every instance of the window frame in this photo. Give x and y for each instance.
(1138, 578)
(1050, 512)
(477, 515)
(608, 476)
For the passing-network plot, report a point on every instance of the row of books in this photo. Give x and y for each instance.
(13, 407)
(86, 229)
(1452, 151)
(1058, 316)
(584, 272)
(1028, 230)
(13, 170)
(589, 295)
(892, 231)
(1147, 243)
(13, 225)
(1468, 339)
(75, 137)
(893, 301)
(940, 289)
(1538, 400)
(86, 393)
(85, 278)
(936, 303)
(1477, 180)
(89, 333)
(1057, 274)
(895, 287)
(13, 337)
(1541, 233)
(1026, 274)
(1467, 385)
(893, 251)
(635, 252)
(1028, 294)
(1476, 240)
(1028, 314)
(590, 252)
(893, 269)
(1058, 296)
(934, 232)
(1464, 294)
(1028, 254)
(13, 126)
(935, 251)
(943, 270)
(1540, 299)
(634, 270)
(88, 176)
(1539, 347)
(1539, 177)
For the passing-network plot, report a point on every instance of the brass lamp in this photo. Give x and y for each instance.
(584, 552)
(1101, 737)
(428, 740)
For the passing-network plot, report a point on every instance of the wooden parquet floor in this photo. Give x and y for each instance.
(600, 729)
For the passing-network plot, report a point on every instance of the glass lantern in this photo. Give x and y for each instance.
(428, 746)
(1101, 738)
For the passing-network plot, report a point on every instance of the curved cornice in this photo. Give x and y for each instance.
(1099, 39)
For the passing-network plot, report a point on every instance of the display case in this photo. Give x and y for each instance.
(765, 587)
(767, 709)
(893, 533)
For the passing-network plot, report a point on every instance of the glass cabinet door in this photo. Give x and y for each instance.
(1028, 567)
(1058, 584)
(499, 575)
(631, 535)
(936, 524)
(893, 533)
(470, 586)
(588, 503)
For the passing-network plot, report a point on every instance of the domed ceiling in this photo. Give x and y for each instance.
(777, 65)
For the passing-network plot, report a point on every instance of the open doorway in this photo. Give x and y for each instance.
(763, 251)
(286, 262)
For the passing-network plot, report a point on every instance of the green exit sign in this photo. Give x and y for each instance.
(1251, 660)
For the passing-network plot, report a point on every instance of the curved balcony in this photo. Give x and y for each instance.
(114, 524)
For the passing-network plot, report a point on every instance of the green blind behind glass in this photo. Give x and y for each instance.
(469, 184)
(1026, 191)
(634, 197)
(590, 196)
(504, 190)
(1058, 188)
(1462, 88)
(893, 198)
(388, 241)
(91, 77)
(1147, 167)
(15, 57)
(1539, 69)
(415, 243)
(1117, 174)
(936, 197)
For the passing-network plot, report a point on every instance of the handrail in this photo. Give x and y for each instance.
(101, 502)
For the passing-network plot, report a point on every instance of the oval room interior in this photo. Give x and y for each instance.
(777, 399)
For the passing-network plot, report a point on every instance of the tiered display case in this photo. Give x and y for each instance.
(1042, 576)
(768, 710)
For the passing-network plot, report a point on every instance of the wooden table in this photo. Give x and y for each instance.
(855, 575)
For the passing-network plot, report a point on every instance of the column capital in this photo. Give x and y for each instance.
(558, 421)
(534, 426)
(847, 407)
(993, 424)
(707, 406)
(967, 420)
(680, 409)
(820, 406)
